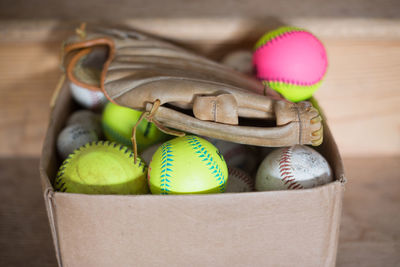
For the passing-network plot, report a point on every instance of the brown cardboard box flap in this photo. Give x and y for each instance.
(248, 229)
(48, 166)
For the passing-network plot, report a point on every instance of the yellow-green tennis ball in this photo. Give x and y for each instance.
(102, 168)
(118, 123)
(187, 165)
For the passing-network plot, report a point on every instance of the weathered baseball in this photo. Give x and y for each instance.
(73, 137)
(88, 118)
(86, 97)
(295, 167)
(239, 60)
(236, 155)
(238, 181)
(85, 88)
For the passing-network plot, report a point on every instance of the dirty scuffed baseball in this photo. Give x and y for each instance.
(295, 167)
(87, 118)
(239, 181)
(74, 136)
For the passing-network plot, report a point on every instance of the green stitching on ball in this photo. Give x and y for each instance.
(293, 92)
(166, 164)
(275, 33)
(114, 136)
(208, 161)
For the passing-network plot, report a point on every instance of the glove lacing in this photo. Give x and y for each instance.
(149, 116)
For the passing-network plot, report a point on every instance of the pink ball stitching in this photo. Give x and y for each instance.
(299, 83)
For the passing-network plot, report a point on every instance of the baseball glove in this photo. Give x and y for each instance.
(180, 90)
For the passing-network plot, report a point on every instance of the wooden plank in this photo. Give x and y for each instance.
(28, 75)
(215, 30)
(361, 96)
(125, 9)
(370, 233)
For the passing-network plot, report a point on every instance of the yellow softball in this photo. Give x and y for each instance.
(187, 165)
(118, 122)
(102, 168)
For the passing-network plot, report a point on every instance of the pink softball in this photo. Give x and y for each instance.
(291, 61)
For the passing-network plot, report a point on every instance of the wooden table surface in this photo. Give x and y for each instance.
(364, 120)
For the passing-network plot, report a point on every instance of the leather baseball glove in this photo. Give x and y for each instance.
(180, 90)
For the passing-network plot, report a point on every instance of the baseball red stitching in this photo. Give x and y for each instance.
(242, 176)
(285, 170)
(234, 152)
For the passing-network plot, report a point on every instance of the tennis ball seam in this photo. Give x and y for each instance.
(282, 33)
(61, 185)
(147, 129)
(212, 165)
(115, 135)
(143, 140)
(166, 159)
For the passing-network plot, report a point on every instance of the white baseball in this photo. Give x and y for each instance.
(293, 167)
(148, 153)
(87, 98)
(87, 118)
(236, 155)
(238, 181)
(240, 60)
(72, 137)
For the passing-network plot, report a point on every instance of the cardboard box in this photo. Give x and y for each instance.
(279, 228)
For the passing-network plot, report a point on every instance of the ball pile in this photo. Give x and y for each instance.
(96, 148)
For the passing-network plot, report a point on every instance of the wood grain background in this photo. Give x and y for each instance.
(127, 9)
(360, 94)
